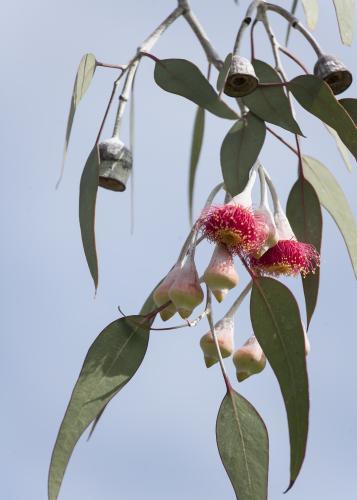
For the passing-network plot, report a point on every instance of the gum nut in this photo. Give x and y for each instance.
(161, 294)
(168, 312)
(224, 330)
(186, 292)
(221, 274)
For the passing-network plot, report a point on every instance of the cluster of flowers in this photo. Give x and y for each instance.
(268, 246)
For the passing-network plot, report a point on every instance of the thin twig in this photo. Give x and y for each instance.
(282, 140)
(287, 52)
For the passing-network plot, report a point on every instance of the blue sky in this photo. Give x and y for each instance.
(156, 440)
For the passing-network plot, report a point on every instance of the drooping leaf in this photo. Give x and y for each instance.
(345, 154)
(240, 150)
(277, 325)
(304, 213)
(243, 446)
(83, 79)
(350, 106)
(112, 360)
(222, 76)
(292, 10)
(183, 78)
(87, 201)
(271, 103)
(333, 199)
(316, 97)
(311, 8)
(345, 12)
(197, 139)
(147, 308)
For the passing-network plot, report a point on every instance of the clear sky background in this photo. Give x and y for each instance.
(156, 440)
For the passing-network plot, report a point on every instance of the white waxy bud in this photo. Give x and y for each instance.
(161, 294)
(264, 214)
(306, 340)
(282, 223)
(221, 275)
(224, 330)
(249, 359)
(186, 292)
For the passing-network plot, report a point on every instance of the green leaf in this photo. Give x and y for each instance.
(345, 12)
(87, 200)
(197, 138)
(345, 154)
(304, 213)
(271, 103)
(350, 106)
(311, 8)
(222, 76)
(243, 446)
(316, 97)
(83, 79)
(240, 150)
(147, 308)
(333, 199)
(277, 325)
(292, 10)
(182, 77)
(112, 360)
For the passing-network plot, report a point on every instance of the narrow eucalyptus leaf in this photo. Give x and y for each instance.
(345, 12)
(277, 325)
(222, 76)
(311, 8)
(304, 213)
(112, 360)
(87, 201)
(240, 150)
(271, 103)
(316, 97)
(83, 79)
(197, 139)
(183, 78)
(344, 152)
(243, 445)
(350, 106)
(334, 201)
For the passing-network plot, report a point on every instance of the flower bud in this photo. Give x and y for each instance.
(241, 79)
(115, 166)
(283, 227)
(186, 292)
(249, 359)
(224, 330)
(264, 214)
(333, 72)
(221, 275)
(161, 294)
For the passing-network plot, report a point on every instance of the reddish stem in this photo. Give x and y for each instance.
(294, 58)
(282, 140)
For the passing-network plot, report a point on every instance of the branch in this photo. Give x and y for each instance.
(202, 37)
(132, 66)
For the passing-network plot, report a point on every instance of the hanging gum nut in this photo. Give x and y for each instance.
(186, 292)
(249, 359)
(161, 294)
(116, 164)
(241, 79)
(333, 72)
(221, 275)
(224, 330)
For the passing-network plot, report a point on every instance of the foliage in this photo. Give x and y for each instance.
(269, 243)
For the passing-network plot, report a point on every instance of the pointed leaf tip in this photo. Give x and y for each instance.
(243, 445)
(87, 202)
(82, 82)
(277, 325)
